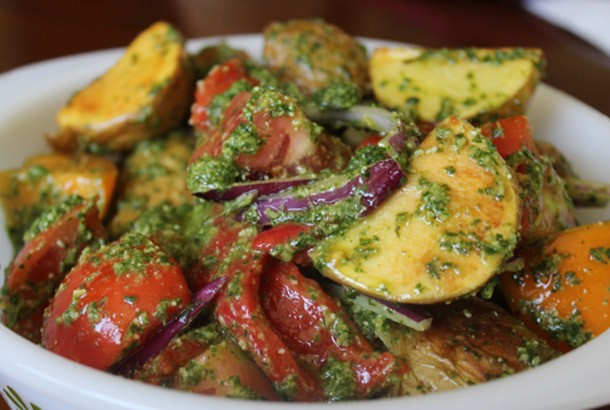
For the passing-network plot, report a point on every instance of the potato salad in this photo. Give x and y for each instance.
(327, 223)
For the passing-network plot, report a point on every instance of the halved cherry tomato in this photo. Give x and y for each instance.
(112, 300)
(288, 146)
(42, 263)
(315, 326)
(546, 208)
(216, 82)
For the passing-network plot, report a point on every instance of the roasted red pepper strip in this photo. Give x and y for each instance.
(239, 311)
(315, 326)
(42, 263)
(279, 235)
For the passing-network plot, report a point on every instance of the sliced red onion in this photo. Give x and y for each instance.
(378, 180)
(413, 316)
(260, 187)
(361, 116)
(152, 346)
(397, 130)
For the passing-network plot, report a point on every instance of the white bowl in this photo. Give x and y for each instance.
(31, 377)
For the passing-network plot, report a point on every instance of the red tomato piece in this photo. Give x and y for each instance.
(224, 370)
(288, 146)
(370, 140)
(214, 252)
(239, 311)
(43, 261)
(509, 135)
(216, 82)
(316, 327)
(279, 235)
(112, 300)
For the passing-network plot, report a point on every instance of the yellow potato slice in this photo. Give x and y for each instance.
(472, 83)
(47, 180)
(146, 93)
(444, 234)
(153, 173)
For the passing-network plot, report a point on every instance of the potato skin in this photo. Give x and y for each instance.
(470, 341)
(146, 93)
(312, 54)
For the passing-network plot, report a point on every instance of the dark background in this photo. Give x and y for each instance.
(33, 30)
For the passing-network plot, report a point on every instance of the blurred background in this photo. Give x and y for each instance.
(33, 30)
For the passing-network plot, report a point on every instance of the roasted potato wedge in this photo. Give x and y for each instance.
(154, 173)
(470, 341)
(444, 234)
(313, 54)
(48, 179)
(475, 84)
(146, 93)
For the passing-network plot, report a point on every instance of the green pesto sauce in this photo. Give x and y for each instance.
(271, 101)
(132, 254)
(338, 380)
(486, 155)
(337, 96)
(287, 388)
(570, 330)
(35, 174)
(72, 313)
(494, 57)
(193, 373)
(160, 312)
(463, 243)
(446, 109)
(238, 390)
(437, 268)
(181, 231)
(157, 157)
(529, 353)
(221, 101)
(207, 173)
(137, 326)
(365, 156)
(341, 331)
(51, 215)
(266, 79)
(286, 251)
(487, 291)
(243, 140)
(435, 199)
(600, 254)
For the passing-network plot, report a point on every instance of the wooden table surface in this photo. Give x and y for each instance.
(34, 30)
